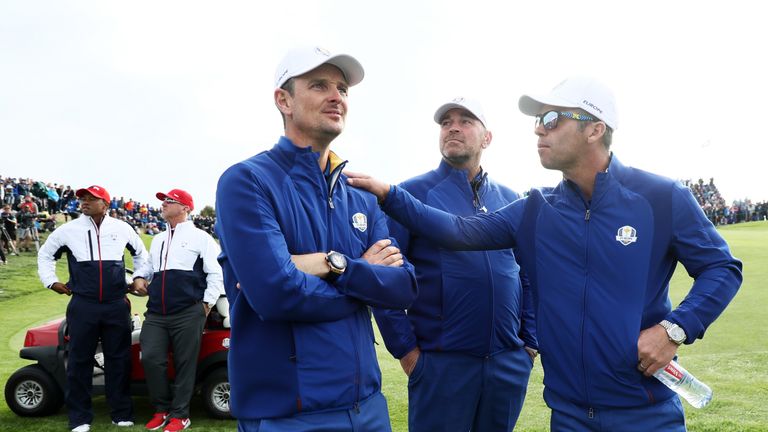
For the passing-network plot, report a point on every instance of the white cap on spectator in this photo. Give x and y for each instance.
(461, 102)
(304, 59)
(576, 92)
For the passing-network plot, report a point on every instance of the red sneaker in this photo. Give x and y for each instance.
(175, 425)
(158, 420)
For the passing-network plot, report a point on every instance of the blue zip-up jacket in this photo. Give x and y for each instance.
(299, 343)
(469, 302)
(94, 257)
(600, 273)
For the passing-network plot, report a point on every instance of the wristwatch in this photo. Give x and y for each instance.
(337, 263)
(675, 333)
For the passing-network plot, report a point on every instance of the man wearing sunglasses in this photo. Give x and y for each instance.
(186, 281)
(599, 249)
(469, 321)
(310, 255)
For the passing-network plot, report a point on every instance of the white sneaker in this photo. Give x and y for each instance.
(82, 428)
(123, 423)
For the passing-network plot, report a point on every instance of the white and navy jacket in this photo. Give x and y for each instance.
(183, 269)
(94, 256)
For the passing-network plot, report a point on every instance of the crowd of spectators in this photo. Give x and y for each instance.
(32, 205)
(717, 209)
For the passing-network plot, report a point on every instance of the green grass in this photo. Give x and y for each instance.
(732, 358)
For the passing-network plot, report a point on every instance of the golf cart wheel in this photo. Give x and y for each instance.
(216, 394)
(32, 392)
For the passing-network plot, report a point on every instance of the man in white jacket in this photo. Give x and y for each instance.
(99, 310)
(186, 283)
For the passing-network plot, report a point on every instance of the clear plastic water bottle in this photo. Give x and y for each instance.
(685, 384)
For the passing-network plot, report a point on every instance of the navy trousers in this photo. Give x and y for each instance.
(667, 416)
(460, 392)
(371, 416)
(90, 322)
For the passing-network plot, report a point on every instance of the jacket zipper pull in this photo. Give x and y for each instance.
(330, 202)
(591, 413)
(586, 215)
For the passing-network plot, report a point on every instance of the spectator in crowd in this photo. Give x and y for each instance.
(67, 196)
(3, 237)
(9, 197)
(60, 193)
(27, 231)
(8, 230)
(471, 324)
(21, 190)
(72, 210)
(98, 310)
(310, 254)
(51, 199)
(130, 206)
(186, 282)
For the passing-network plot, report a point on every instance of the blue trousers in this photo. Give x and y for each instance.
(90, 321)
(460, 392)
(667, 416)
(371, 416)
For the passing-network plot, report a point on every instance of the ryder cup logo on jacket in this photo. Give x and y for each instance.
(626, 235)
(360, 221)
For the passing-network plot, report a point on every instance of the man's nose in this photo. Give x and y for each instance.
(336, 95)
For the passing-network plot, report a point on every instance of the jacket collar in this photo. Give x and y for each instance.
(182, 225)
(302, 163)
(604, 181)
(445, 169)
(289, 154)
(89, 220)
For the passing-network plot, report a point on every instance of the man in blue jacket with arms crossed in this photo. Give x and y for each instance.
(599, 250)
(461, 343)
(310, 254)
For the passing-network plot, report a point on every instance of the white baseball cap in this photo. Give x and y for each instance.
(468, 104)
(576, 92)
(301, 60)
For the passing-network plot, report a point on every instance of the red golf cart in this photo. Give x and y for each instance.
(38, 389)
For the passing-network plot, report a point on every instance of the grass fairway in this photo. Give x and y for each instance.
(732, 358)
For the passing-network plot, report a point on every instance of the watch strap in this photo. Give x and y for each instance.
(669, 326)
(334, 271)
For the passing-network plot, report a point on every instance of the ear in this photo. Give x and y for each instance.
(487, 139)
(283, 101)
(596, 131)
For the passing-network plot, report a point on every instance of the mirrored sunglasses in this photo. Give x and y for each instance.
(549, 118)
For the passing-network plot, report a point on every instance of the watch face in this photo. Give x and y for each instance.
(677, 334)
(337, 260)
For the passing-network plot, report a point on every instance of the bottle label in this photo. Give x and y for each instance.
(672, 370)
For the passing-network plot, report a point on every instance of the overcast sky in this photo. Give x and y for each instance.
(145, 96)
